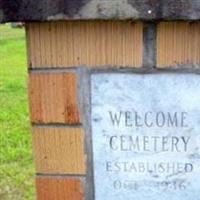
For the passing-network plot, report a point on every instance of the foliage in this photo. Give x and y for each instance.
(16, 163)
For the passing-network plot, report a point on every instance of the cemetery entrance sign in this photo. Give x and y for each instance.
(145, 133)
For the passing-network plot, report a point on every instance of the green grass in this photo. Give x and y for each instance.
(16, 163)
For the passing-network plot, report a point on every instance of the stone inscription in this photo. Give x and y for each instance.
(146, 136)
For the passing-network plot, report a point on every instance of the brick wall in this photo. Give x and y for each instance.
(61, 58)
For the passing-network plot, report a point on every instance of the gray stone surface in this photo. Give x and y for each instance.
(145, 131)
(47, 10)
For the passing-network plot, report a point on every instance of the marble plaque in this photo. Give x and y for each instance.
(145, 131)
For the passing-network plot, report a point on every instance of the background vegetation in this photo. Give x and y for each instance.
(16, 163)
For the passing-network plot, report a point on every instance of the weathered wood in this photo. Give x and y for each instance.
(84, 43)
(59, 150)
(58, 189)
(178, 43)
(53, 98)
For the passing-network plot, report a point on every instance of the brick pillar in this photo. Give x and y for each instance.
(58, 53)
(61, 58)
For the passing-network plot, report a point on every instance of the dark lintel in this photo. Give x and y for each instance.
(51, 10)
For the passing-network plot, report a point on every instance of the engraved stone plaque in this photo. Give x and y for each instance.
(145, 131)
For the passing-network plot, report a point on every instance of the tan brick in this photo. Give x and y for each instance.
(91, 43)
(178, 43)
(58, 189)
(53, 98)
(59, 150)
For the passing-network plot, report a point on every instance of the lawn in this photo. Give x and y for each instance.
(16, 160)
